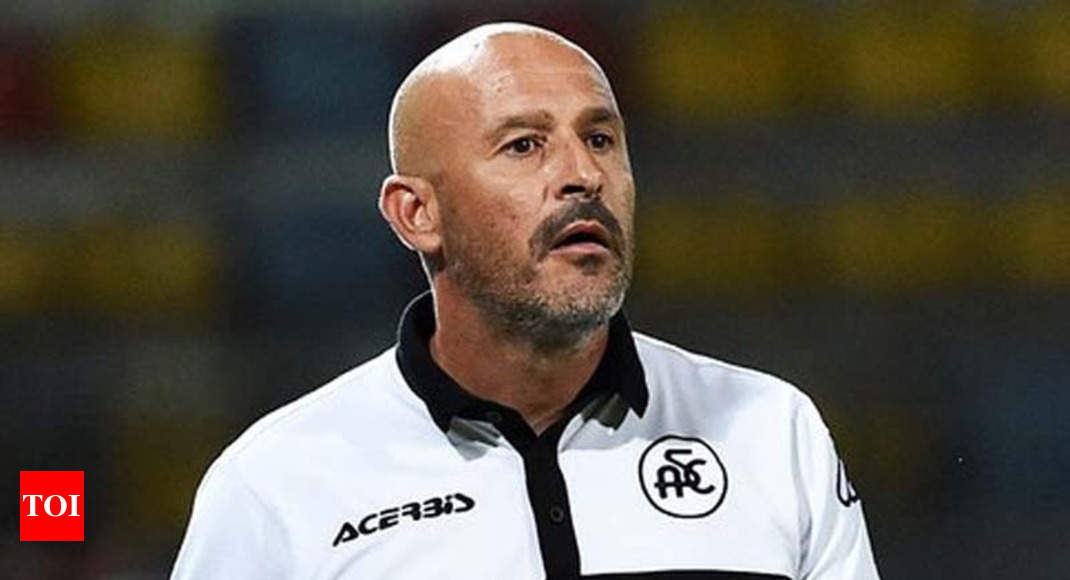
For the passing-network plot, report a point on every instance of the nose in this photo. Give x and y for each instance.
(581, 175)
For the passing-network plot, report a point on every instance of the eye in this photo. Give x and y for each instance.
(599, 141)
(522, 146)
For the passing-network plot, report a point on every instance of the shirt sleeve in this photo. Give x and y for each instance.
(232, 533)
(835, 543)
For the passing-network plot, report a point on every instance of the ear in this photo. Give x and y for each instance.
(410, 206)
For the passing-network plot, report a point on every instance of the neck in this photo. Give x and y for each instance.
(513, 371)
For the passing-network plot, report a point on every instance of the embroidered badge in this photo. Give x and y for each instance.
(682, 477)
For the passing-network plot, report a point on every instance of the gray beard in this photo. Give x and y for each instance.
(527, 317)
(505, 295)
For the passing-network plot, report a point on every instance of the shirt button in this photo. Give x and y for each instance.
(494, 417)
(557, 514)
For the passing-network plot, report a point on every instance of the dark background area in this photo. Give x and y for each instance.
(869, 199)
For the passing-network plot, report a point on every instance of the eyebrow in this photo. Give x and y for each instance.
(598, 115)
(540, 120)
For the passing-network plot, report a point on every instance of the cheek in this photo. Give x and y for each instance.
(501, 210)
(495, 228)
(510, 212)
(623, 204)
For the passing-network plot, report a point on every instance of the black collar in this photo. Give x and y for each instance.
(619, 370)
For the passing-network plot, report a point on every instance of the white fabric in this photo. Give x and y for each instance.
(274, 503)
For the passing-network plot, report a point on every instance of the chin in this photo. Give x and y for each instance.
(596, 299)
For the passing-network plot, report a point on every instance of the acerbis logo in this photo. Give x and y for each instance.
(51, 506)
(454, 503)
(682, 477)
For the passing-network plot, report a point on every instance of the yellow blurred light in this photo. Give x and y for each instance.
(691, 250)
(156, 271)
(895, 246)
(1033, 240)
(1048, 39)
(24, 271)
(708, 64)
(898, 245)
(121, 85)
(903, 59)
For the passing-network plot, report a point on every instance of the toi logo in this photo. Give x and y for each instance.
(51, 506)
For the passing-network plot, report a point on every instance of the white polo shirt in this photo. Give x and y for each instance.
(668, 465)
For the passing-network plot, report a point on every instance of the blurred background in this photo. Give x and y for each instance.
(869, 199)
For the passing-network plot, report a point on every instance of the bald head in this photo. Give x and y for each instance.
(438, 97)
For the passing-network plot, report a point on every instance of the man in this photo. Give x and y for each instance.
(520, 430)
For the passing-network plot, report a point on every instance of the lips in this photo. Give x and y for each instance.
(581, 229)
(580, 233)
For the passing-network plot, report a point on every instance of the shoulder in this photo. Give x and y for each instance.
(666, 362)
(351, 399)
(678, 376)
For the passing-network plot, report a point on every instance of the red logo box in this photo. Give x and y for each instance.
(52, 506)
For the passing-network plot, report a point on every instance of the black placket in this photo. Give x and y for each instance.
(547, 492)
(548, 497)
(619, 372)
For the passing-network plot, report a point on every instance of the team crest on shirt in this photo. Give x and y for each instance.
(682, 477)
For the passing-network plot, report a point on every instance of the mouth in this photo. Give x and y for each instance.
(587, 236)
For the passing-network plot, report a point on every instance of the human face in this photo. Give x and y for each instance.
(537, 193)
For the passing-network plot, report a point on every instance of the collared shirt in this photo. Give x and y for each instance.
(667, 465)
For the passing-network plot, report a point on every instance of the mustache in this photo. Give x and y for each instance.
(595, 211)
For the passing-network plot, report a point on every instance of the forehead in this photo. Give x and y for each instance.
(522, 71)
